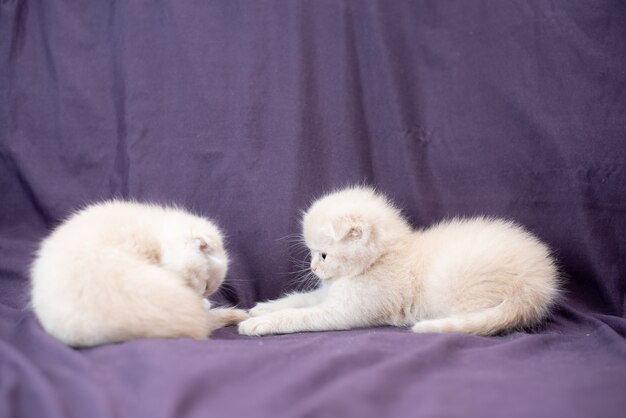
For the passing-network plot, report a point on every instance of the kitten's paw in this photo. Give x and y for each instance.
(256, 327)
(263, 308)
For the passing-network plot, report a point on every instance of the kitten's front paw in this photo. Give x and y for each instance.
(263, 308)
(256, 327)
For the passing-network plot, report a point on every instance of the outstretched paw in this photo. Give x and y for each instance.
(256, 326)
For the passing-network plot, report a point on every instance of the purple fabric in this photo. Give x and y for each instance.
(245, 112)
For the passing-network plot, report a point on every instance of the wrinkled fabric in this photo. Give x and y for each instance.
(245, 112)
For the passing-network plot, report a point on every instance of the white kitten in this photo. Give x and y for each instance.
(478, 276)
(116, 271)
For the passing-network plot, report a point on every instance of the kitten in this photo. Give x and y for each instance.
(116, 271)
(477, 276)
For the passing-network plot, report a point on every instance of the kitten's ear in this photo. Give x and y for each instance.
(153, 253)
(203, 245)
(357, 232)
(352, 229)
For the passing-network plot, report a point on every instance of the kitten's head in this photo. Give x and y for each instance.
(348, 230)
(194, 250)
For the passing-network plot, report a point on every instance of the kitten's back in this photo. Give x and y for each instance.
(486, 276)
(96, 279)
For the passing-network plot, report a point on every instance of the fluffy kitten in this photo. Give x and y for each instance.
(478, 276)
(116, 271)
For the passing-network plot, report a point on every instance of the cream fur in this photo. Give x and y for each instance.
(116, 271)
(479, 276)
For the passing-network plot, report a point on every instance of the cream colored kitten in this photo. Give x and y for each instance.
(116, 271)
(478, 276)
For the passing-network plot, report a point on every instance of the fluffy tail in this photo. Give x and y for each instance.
(503, 317)
(223, 317)
(134, 301)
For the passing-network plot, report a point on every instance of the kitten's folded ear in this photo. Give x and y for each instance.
(351, 229)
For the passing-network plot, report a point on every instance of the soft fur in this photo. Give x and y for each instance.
(116, 271)
(478, 276)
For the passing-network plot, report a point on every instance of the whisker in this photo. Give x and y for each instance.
(229, 280)
(291, 237)
(300, 280)
(289, 273)
(225, 291)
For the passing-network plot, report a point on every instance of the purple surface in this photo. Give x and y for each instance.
(246, 111)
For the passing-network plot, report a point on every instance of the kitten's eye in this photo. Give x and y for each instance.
(323, 256)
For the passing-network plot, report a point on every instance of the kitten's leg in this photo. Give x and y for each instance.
(292, 301)
(322, 317)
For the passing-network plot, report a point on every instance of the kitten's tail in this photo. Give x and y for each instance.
(503, 317)
(223, 317)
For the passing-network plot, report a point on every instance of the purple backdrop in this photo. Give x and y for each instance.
(245, 112)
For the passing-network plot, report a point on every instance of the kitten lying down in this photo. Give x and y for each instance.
(116, 271)
(478, 276)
